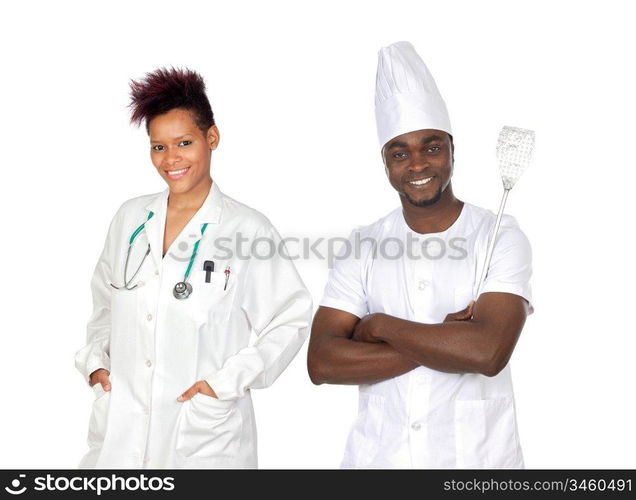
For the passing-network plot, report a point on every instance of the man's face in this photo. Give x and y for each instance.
(179, 150)
(419, 165)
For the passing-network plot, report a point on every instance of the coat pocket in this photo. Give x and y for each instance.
(364, 439)
(99, 416)
(486, 434)
(209, 428)
(213, 298)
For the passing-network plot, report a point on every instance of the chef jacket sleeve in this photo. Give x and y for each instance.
(278, 308)
(94, 354)
(344, 289)
(511, 263)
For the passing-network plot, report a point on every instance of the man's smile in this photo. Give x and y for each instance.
(418, 183)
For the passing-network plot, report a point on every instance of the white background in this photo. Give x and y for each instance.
(291, 85)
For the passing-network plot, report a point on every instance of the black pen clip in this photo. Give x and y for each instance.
(208, 267)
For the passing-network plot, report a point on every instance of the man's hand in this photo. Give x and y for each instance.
(463, 315)
(201, 386)
(334, 357)
(100, 376)
(478, 339)
(369, 327)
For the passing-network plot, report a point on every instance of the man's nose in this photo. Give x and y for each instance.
(419, 163)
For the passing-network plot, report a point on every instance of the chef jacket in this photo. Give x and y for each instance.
(426, 418)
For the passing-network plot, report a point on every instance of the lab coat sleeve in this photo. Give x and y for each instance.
(278, 308)
(511, 265)
(95, 354)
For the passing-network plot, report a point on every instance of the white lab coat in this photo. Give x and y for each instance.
(427, 418)
(156, 346)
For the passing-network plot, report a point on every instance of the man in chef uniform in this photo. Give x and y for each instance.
(400, 317)
(173, 372)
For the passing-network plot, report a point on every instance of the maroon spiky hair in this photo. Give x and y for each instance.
(167, 89)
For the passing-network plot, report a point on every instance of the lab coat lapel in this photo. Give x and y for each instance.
(155, 226)
(209, 212)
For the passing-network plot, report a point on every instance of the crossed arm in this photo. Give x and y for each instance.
(345, 349)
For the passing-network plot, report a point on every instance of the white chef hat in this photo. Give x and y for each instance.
(406, 97)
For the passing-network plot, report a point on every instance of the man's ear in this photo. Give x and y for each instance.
(386, 169)
(213, 137)
(452, 168)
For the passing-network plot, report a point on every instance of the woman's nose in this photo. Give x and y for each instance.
(173, 156)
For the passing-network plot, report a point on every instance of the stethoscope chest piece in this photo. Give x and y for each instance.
(182, 290)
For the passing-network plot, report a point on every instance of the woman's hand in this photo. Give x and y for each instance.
(100, 377)
(201, 386)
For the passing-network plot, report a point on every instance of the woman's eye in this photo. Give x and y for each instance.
(185, 143)
(158, 147)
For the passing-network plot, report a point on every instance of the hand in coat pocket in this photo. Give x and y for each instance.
(100, 376)
(201, 386)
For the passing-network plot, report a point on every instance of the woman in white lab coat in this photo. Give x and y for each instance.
(168, 350)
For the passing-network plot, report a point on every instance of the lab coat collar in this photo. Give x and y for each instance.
(210, 212)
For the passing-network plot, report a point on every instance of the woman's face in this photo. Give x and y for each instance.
(180, 152)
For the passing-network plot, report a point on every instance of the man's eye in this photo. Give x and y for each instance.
(158, 147)
(185, 143)
(399, 155)
(433, 149)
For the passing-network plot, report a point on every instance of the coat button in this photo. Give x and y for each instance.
(422, 284)
(148, 362)
(149, 317)
(416, 426)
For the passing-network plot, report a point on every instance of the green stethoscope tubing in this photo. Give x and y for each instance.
(133, 236)
(194, 252)
(130, 244)
(140, 228)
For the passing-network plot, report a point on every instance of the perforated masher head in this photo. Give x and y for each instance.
(514, 151)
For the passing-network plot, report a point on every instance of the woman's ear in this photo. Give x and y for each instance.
(213, 137)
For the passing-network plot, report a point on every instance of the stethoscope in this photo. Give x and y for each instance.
(182, 289)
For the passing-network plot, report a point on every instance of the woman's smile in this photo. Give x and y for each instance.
(177, 174)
